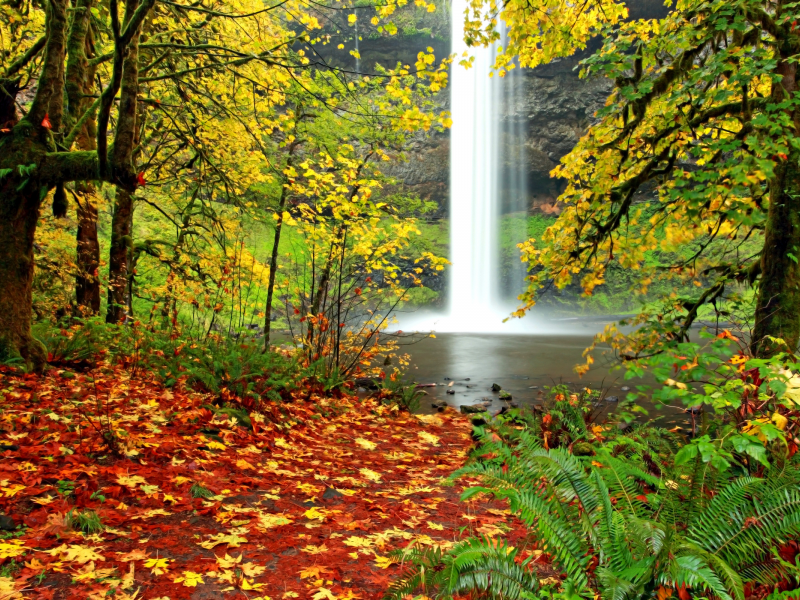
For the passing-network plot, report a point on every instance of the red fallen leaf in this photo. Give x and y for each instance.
(46, 122)
(642, 497)
(782, 156)
(357, 291)
(683, 594)
(505, 468)
(297, 311)
(140, 179)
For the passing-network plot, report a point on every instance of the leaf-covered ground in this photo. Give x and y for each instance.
(306, 503)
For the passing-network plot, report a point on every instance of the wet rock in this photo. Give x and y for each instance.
(366, 382)
(472, 408)
(439, 404)
(496, 387)
(470, 386)
(466, 378)
(504, 395)
(612, 399)
(625, 388)
(330, 494)
(7, 523)
(451, 391)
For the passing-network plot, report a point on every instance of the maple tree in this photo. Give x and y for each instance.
(204, 92)
(690, 171)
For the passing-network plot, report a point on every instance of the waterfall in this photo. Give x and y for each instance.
(487, 187)
(488, 194)
(474, 208)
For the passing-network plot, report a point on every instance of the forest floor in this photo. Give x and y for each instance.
(306, 502)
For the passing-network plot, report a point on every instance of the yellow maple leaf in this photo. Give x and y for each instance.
(324, 594)
(366, 444)
(90, 572)
(291, 595)
(189, 579)
(157, 566)
(384, 561)
(8, 589)
(435, 526)
(314, 572)
(233, 540)
(312, 549)
(250, 585)
(369, 474)
(131, 480)
(428, 438)
(252, 570)
(228, 561)
(358, 542)
(316, 513)
(243, 464)
(216, 445)
(11, 548)
(78, 554)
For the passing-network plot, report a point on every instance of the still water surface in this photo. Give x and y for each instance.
(522, 364)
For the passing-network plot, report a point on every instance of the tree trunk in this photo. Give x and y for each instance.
(87, 282)
(119, 253)
(778, 304)
(18, 216)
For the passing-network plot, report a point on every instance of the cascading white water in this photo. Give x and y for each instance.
(488, 187)
(474, 211)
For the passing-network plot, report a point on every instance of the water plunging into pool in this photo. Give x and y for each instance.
(487, 186)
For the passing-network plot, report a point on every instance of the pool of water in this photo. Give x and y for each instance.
(523, 365)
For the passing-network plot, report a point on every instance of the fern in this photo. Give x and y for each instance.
(645, 523)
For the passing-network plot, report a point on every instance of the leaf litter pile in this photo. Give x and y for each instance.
(304, 500)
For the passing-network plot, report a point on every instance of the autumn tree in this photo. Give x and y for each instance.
(129, 95)
(697, 147)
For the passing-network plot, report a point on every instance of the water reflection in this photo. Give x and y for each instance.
(521, 364)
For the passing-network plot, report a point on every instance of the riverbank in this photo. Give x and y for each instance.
(114, 484)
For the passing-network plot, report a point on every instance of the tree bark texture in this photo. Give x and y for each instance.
(79, 86)
(119, 257)
(778, 303)
(87, 282)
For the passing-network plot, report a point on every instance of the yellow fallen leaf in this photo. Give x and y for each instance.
(11, 548)
(312, 549)
(189, 579)
(252, 570)
(131, 480)
(384, 561)
(243, 464)
(324, 594)
(358, 542)
(157, 566)
(428, 438)
(78, 554)
(369, 474)
(366, 444)
(435, 526)
(233, 540)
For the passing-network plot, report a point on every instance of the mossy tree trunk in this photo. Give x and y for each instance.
(35, 158)
(79, 87)
(778, 304)
(119, 258)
